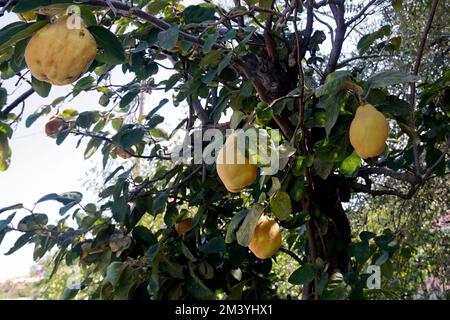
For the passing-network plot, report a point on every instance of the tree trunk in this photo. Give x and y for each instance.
(338, 235)
(271, 81)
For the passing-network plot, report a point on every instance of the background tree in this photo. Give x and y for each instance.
(262, 60)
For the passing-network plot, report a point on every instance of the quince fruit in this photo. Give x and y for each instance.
(122, 153)
(54, 126)
(266, 240)
(233, 168)
(368, 132)
(59, 54)
(184, 226)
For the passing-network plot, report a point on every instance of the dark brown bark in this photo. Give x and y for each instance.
(338, 235)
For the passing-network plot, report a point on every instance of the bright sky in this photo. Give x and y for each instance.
(39, 166)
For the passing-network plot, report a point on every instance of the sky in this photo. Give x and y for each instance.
(39, 167)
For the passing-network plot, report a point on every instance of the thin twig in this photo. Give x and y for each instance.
(420, 52)
(5, 7)
(292, 254)
(361, 13)
(442, 157)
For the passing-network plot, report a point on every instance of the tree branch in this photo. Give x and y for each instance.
(110, 141)
(338, 11)
(442, 157)
(282, 123)
(359, 187)
(344, 63)
(308, 30)
(199, 111)
(5, 7)
(402, 176)
(18, 101)
(292, 254)
(361, 13)
(126, 9)
(420, 52)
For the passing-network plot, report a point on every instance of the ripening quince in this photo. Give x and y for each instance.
(233, 168)
(122, 153)
(27, 16)
(184, 226)
(266, 240)
(54, 126)
(368, 132)
(60, 53)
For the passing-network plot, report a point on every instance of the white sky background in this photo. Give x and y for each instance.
(39, 166)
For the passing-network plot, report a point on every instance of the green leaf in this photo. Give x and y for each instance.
(332, 95)
(114, 272)
(351, 164)
(84, 84)
(195, 286)
(159, 203)
(366, 41)
(32, 222)
(19, 51)
(156, 6)
(168, 38)
(104, 100)
(42, 88)
(36, 115)
(225, 62)
(389, 104)
(88, 16)
(210, 41)
(5, 152)
(382, 258)
(92, 147)
(245, 233)
(17, 31)
(281, 206)
(20, 242)
(69, 294)
(128, 98)
(397, 4)
(234, 225)
(215, 245)
(112, 51)
(162, 103)
(332, 104)
(3, 97)
(323, 168)
(199, 13)
(28, 5)
(4, 223)
(359, 250)
(172, 81)
(302, 275)
(186, 252)
(120, 210)
(387, 78)
(87, 118)
(366, 235)
(129, 136)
